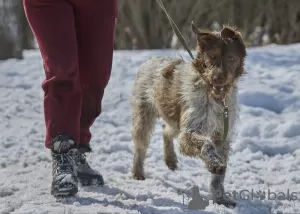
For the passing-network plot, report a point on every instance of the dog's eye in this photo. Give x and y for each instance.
(230, 58)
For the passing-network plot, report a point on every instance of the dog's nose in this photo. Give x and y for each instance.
(218, 80)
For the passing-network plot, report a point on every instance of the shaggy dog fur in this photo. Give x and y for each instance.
(188, 97)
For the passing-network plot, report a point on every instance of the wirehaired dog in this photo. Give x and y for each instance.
(189, 97)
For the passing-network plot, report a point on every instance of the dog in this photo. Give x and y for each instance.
(189, 98)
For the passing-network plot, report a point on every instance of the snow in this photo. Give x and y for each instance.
(265, 153)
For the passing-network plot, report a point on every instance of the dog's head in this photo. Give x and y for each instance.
(220, 58)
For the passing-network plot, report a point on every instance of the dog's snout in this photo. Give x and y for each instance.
(218, 79)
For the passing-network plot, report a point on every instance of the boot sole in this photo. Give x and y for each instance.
(89, 180)
(64, 193)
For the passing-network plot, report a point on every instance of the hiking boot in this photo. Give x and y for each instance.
(64, 181)
(85, 174)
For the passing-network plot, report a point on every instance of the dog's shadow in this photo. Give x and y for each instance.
(142, 208)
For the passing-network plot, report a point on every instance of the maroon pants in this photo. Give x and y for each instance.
(75, 38)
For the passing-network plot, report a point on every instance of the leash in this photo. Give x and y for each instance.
(175, 29)
(226, 119)
(183, 42)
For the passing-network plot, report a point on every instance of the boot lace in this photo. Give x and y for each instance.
(63, 163)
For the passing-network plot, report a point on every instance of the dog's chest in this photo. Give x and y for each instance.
(211, 116)
(214, 117)
(203, 113)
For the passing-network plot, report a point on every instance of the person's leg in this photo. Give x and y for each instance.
(95, 22)
(53, 24)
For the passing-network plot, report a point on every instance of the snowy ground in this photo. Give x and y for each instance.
(265, 156)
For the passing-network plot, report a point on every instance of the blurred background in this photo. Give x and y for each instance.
(143, 25)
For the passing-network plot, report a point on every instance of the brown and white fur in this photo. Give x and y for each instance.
(188, 96)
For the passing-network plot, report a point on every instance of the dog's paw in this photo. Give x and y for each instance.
(172, 164)
(227, 202)
(138, 176)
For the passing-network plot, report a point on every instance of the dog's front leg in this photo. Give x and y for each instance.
(217, 181)
(193, 144)
(218, 192)
(215, 157)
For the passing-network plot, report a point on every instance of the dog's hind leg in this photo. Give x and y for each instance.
(169, 153)
(144, 118)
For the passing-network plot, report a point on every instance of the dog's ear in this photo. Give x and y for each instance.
(204, 37)
(199, 32)
(230, 33)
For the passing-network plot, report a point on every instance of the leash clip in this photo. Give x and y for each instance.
(225, 118)
(225, 110)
